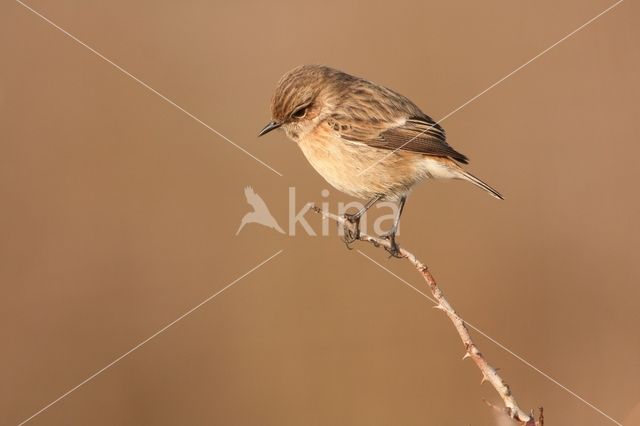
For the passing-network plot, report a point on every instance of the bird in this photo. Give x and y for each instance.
(364, 139)
(260, 213)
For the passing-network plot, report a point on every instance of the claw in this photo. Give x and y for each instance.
(394, 250)
(351, 229)
(348, 244)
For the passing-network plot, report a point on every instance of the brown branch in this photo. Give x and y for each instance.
(489, 373)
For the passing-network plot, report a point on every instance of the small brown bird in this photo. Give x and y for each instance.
(364, 139)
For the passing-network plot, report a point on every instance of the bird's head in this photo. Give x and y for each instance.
(303, 97)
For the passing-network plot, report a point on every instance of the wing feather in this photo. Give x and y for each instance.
(416, 134)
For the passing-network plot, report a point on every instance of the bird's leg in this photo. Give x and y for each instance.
(394, 250)
(352, 228)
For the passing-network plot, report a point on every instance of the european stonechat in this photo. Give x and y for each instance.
(364, 139)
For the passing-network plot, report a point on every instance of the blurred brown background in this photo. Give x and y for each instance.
(119, 214)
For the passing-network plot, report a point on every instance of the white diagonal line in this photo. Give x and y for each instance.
(146, 86)
(497, 83)
(503, 347)
(162, 330)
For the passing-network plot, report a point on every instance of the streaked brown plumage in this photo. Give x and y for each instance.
(364, 139)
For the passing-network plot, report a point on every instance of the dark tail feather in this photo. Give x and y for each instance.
(474, 180)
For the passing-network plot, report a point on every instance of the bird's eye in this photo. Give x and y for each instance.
(300, 112)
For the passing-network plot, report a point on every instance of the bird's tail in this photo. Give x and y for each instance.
(474, 180)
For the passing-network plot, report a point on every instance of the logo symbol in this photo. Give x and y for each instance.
(260, 213)
(297, 214)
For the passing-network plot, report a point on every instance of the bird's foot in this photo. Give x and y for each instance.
(394, 249)
(351, 229)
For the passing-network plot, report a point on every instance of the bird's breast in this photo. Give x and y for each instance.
(358, 169)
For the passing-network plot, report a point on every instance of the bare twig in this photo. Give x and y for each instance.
(489, 373)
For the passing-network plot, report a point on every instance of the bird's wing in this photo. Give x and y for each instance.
(254, 199)
(417, 134)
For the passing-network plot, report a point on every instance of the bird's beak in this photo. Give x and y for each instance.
(269, 127)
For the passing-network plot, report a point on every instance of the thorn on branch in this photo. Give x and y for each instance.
(440, 307)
